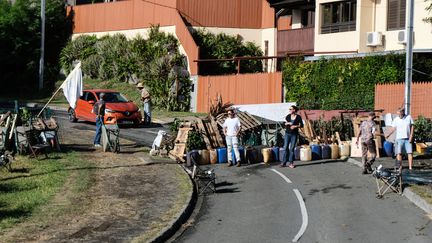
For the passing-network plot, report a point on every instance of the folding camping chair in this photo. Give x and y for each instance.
(35, 144)
(387, 180)
(111, 138)
(6, 159)
(205, 180)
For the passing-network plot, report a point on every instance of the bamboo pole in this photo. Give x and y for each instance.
(52, 97)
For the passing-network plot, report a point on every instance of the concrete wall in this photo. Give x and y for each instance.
(372, 17)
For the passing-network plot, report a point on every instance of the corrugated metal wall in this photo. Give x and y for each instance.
(135, 14)
(123, 15)
(256, 88)
(252, 14)
(391, 96)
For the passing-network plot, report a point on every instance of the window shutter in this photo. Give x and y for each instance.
(396, 14)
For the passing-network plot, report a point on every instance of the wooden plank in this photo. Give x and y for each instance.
(4, 117)
(338, 138)
(204, 133)
(210, 133)
(219, 138)
(12, 130)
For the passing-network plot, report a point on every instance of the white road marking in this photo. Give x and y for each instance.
(302, 207)
(304, 216)
(281, 175)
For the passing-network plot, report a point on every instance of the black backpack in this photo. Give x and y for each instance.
(95, 108)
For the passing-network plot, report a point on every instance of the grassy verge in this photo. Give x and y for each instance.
(424, 191)
(185, 186)
(126, 89)
(26, 192)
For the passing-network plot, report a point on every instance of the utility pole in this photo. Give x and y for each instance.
(42, 50)
(409, 56)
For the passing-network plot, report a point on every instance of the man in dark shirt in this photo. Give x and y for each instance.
(99, 112)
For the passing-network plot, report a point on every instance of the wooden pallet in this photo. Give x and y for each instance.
(180, 143)
(211, 134)
(247, 121)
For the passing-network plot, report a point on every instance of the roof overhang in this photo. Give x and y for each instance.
(291, 3)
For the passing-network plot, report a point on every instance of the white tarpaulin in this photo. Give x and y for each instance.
(73, 86)
(275, 111)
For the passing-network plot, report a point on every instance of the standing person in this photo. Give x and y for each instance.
(99, 110)
(293, 122)
(145, 98)
(231, 128)
(404, 127)
(367, 134)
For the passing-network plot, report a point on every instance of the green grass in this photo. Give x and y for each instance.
(128, 90)
(32, 184)
(424, 191)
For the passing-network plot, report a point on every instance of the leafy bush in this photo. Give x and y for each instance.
(345, 83)
(223, 46)
(195, 141)
(423, 129)
(157, 62)
(20, 39)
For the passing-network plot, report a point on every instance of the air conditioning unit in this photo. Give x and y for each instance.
(402, 37)
(373, 39)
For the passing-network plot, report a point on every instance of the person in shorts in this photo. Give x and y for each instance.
(367, 135)
(404, 127)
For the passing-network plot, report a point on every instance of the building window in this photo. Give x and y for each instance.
(338, 17)
(308, 18)
(396, 14)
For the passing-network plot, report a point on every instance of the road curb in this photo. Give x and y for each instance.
(407, 192)
(180, 218)
(417, 200)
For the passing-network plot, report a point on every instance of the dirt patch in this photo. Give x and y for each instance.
(128, 198)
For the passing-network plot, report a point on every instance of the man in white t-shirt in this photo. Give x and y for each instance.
(231, 128)
(404, 127)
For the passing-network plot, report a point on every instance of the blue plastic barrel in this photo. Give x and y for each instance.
(222, 155)
(388, 148)
(326, 151)
(241, 151)
(191, 157)
(275, 153)
(281, 154)
(316, 152)
(297, 153)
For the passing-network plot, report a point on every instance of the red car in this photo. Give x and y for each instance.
(118, 109)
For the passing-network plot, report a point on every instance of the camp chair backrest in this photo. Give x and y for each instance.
(35, 143)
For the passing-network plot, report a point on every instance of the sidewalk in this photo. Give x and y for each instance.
(388, 162)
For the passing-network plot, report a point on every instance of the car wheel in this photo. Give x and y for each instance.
(72, 116)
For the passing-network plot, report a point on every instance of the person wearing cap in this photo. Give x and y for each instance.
(367, 135)
(99, 110)
(145, 98)
(231, 129)
(404, 127)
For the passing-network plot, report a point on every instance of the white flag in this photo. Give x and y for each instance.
(72, 86)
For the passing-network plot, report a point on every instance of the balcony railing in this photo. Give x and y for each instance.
(338, 27)
(296, 40)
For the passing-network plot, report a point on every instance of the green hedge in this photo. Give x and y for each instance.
(346, 83)
(155, 61)
(223, 46)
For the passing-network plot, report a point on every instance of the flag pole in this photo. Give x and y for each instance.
(52, 97)
(61, 86)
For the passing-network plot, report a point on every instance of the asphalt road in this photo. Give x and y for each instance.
(256, 204)
(143, 135)
(315, 202)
